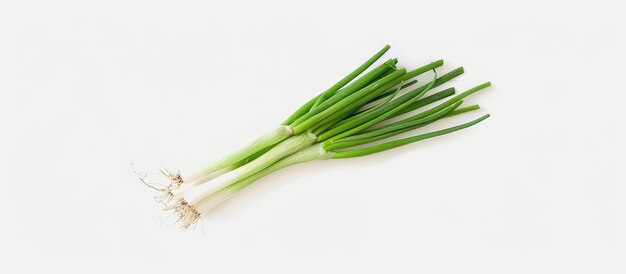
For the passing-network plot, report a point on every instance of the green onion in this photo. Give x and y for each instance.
(316, 152)
(340, 122)
(284, 131)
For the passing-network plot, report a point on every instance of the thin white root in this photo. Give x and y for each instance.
(186, 213)
(176, 180)
(165, 193)
(164, 197)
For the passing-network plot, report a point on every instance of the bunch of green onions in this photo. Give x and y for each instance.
(340, 122)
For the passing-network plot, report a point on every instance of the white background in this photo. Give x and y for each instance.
(90, 87)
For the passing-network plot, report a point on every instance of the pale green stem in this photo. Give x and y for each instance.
(219, 167)
(284, 148)
(306, 155)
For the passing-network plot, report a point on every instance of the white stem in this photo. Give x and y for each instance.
(270, 138)
(278, 152)
(198, 179)
(305, 155)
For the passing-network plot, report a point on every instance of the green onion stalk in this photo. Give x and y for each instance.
(341, 122)
(315, 152)
(325, 105)
(286, 129)
(331, 145)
